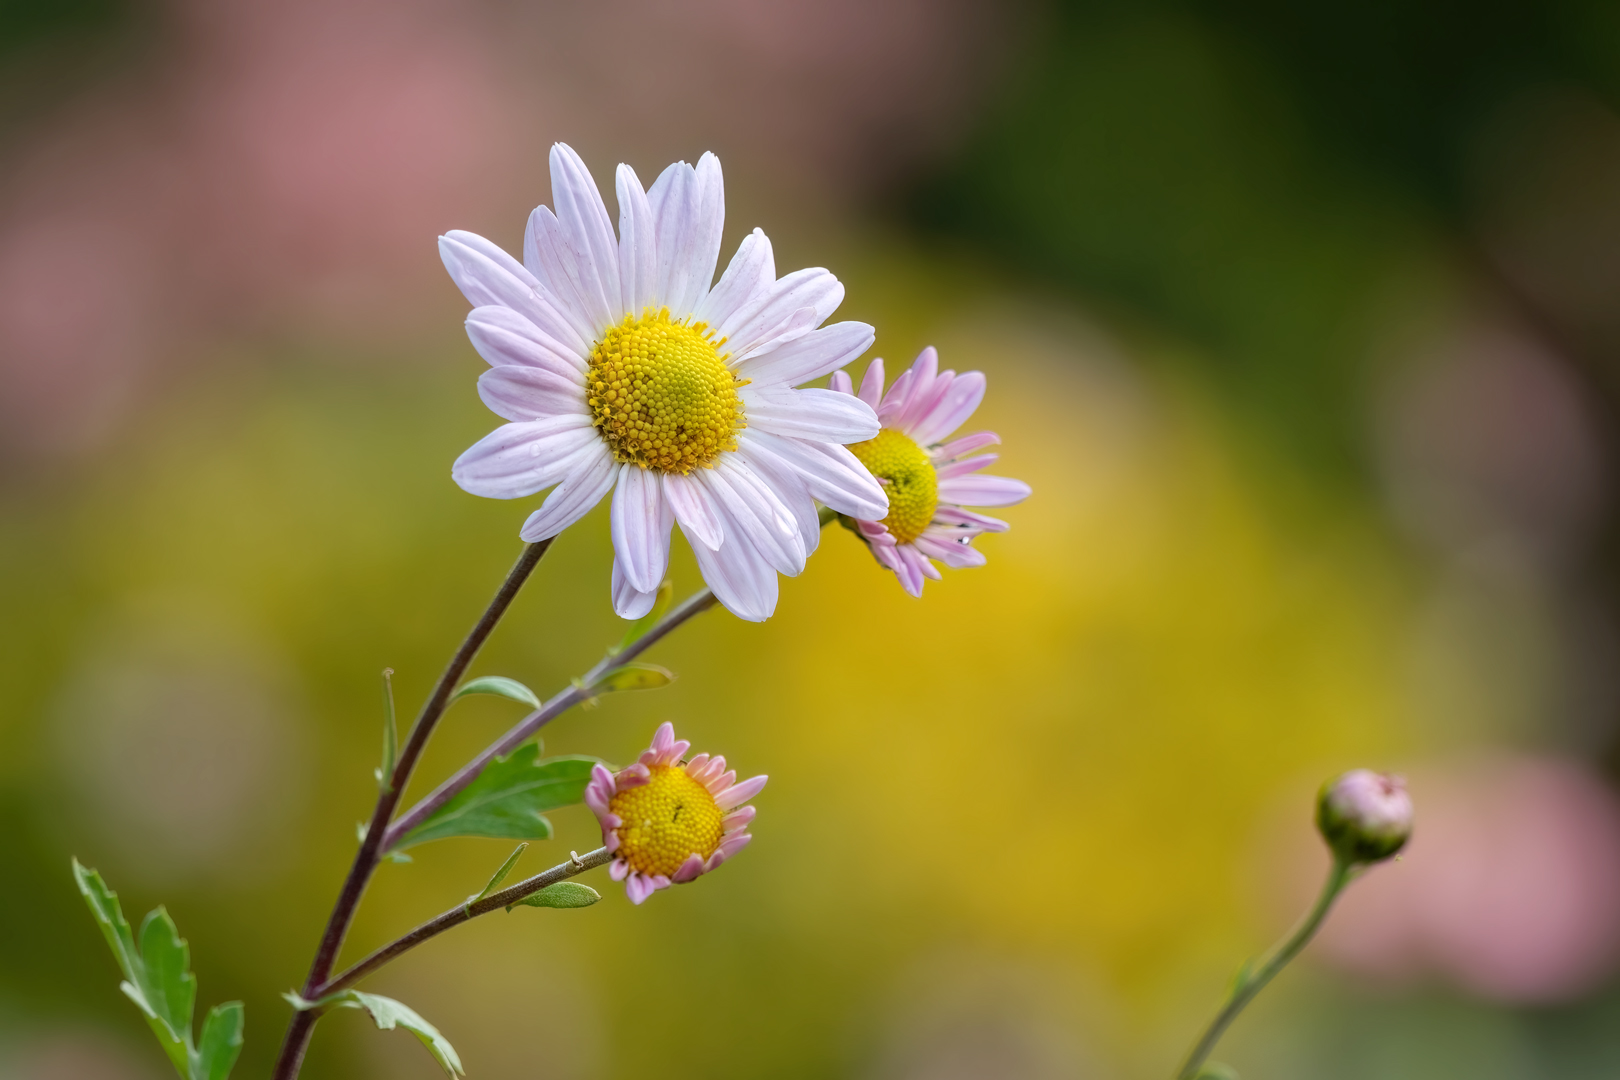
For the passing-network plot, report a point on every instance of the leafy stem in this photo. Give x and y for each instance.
(371, 847)
(1253, 977)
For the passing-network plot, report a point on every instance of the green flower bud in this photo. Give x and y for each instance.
(1364, 816)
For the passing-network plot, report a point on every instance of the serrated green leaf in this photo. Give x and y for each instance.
(508, 798)
(564, 894)
(499, 686)
(636, 676)
(666, 592)
(158, 979)
(390, 1014)
(221, 1042)
(499, 875)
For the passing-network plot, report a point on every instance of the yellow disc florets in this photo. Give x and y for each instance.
(912, 487)
(666, 821)
(661, 394)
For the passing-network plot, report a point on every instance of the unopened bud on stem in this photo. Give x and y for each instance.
(1365, 816)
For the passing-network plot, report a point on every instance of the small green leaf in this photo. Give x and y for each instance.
(508, 799)
(1217, 1071)
(634, 676)
(158, 979)
(360, 830)
(499, 875)
(221, 1042)
(666, 592)
(564, 894)
(388, 1015)
(390, 732)
(499, 686)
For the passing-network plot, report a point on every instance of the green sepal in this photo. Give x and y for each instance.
(498, 686)
(666, 593)
(158, 979)
(389, 1014)
(508, 799)
(564, 894)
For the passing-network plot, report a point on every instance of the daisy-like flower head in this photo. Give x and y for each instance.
(930, 482)
(621, 369)
(665, 820)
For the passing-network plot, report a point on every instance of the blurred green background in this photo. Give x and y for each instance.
(1300, 320)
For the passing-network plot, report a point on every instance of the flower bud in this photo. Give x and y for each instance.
(1365, 816)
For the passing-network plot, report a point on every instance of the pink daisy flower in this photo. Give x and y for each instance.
(929, 482)
(667, 821)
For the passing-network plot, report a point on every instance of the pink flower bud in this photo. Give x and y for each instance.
(1365, 816)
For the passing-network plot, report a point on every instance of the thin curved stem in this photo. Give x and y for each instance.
(371, 847)
(1251, 982)
(524, 729)
(458, 915)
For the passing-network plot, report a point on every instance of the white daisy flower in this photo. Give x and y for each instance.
(621, 369)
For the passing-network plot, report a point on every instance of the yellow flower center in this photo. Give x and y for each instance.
(666, 820)
(661, 394)
(913, 487)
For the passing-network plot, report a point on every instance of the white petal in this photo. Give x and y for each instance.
(979, 490)
(810, 357)
(759, 516)
(872, 384)
(830, 472)
(530, 393)
(638, 244)
(520, 459)
(791, 307)
(589, 233)
(547, 254)
(503, 336)
(821, 415)
(484, 281)
(492, 251)
(628, 601)
(690, 207)
(640, 528)
(749, 276)
(692, 505)
(741, 578)
(573, 498)
(790, 490)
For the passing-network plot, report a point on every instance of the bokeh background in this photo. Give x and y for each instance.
(1303, 321)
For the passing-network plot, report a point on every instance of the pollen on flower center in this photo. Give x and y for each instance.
(661, 394)
(911, 484)
(666, 820)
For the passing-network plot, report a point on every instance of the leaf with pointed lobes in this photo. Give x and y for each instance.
(564, 894)
(158, 979)
(498, 686)
(508, 799)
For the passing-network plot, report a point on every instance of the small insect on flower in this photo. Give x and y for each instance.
(929, 482)
(665, 820)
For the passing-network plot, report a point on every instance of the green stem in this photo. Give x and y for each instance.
(1251, 981)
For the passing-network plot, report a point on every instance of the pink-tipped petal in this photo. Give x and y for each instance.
(638, 887)
(737, 819)
(872, 384)
(721, 783)
(728, 847)
(610, 838)
(948, 410)
(965, 466)
(966, 445)
(953, 553)
(632, 776)
(618, 869)
(740, 793)
(955, 515)
(691, 868)
(840, 383)
(983, 490)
